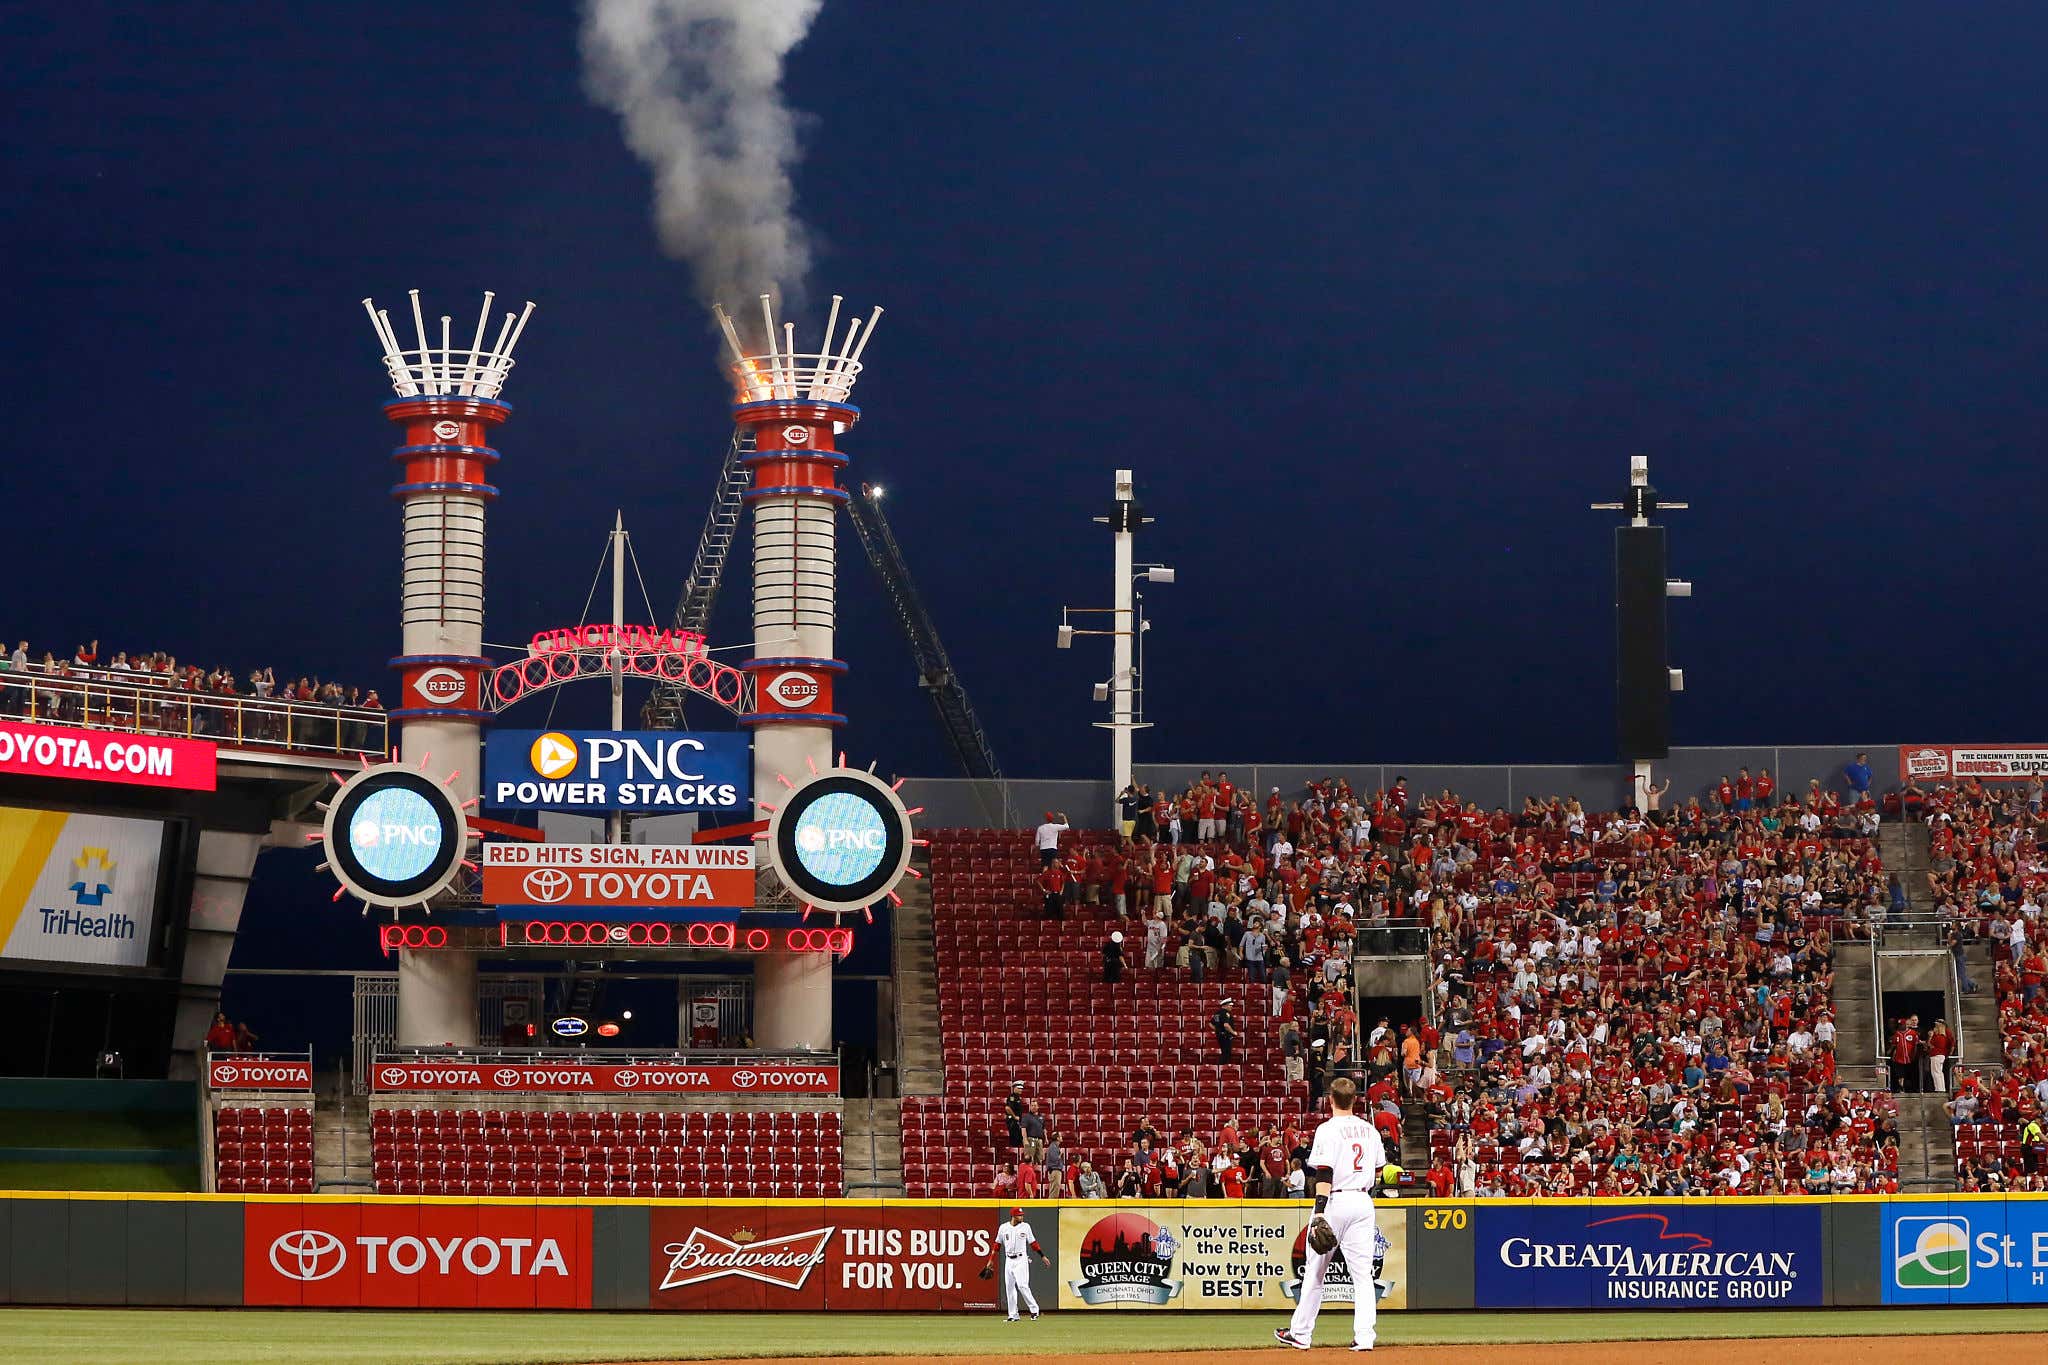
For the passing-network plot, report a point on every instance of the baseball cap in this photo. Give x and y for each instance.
(1016, 1085)
(1018, 1211)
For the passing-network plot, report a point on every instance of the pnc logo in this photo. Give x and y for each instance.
(794, 689)
(308, 1255)
(547, 885)
(553, 755)
(440, 686)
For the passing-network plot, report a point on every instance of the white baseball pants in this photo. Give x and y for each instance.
(1017, 1283)
(1350, 1215)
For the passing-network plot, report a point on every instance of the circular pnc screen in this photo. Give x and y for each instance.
(394, 836)
(841, 841)
(840, 838)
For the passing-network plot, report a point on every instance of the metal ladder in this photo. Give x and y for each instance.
(664, 707)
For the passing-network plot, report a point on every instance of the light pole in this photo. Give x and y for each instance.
(1644, 678)
(1124, 691)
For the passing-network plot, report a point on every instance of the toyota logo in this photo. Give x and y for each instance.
(505, 1077)
(392, 1075)
(225, 1074)
(547, 885)
(626, 1078)
(307, 1255)
(743, 1080)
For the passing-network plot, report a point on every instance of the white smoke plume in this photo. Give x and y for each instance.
(697, 85)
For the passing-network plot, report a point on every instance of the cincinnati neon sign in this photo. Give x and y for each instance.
(677, 657)
(617, 639)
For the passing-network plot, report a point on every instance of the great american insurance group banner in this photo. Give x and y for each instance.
(1705, 1253)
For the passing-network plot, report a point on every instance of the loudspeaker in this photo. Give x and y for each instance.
(1642, 681)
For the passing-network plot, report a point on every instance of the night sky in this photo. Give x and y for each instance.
(1374, 298)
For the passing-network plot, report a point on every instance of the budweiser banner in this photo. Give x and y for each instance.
(1955, 763)
(629, 876)
(259, 1073)
(854, 1258)
(333, 1253)
(1202, 1254)
(609, 1078)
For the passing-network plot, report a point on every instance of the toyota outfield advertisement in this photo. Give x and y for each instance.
(1583, 1254)
(1966, 1251)
(401, 1255)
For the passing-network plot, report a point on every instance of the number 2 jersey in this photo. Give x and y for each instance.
(1350, 1149)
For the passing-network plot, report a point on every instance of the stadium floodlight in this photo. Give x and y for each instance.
(1158, 573)
(1102, 691)
(1677, 587)
(1065, 638)
(1678, 680)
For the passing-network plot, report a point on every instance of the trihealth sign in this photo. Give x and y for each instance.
(632, 876)
(97, 756)
(603, 770)
(1977, 1251)
(78, 888)
(1593, 1255)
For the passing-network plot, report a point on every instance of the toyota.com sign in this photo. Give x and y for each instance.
(345, 1255)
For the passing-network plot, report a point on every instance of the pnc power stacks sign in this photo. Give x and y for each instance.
(343, 1255)
(607, 770)
(727, 1257)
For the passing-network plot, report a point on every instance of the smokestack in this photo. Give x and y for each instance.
(697, 85)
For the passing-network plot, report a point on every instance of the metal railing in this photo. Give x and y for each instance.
(103, 701)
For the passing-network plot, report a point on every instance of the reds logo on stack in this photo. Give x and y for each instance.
(441, 686)
(794, 689)
(785, 1262)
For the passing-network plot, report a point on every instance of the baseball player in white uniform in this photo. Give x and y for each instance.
(1346, 1160)
(1015, 1243)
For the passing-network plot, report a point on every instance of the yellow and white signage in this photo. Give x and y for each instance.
(77, 888)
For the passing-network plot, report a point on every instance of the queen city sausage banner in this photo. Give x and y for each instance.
(1204, 1254)
(852, 1257)
(1593, 1254)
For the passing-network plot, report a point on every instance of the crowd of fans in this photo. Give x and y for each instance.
(1639, 1002)
(1987, 877)
(182, 698)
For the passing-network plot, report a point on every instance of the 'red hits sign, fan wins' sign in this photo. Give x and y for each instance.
(624, 876)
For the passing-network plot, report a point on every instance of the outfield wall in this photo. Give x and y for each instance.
(923, 1255)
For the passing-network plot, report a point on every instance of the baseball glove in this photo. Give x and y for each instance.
(1322, 1238)
(986, 1271)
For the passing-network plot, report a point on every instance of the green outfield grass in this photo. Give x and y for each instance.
(125, 1336)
